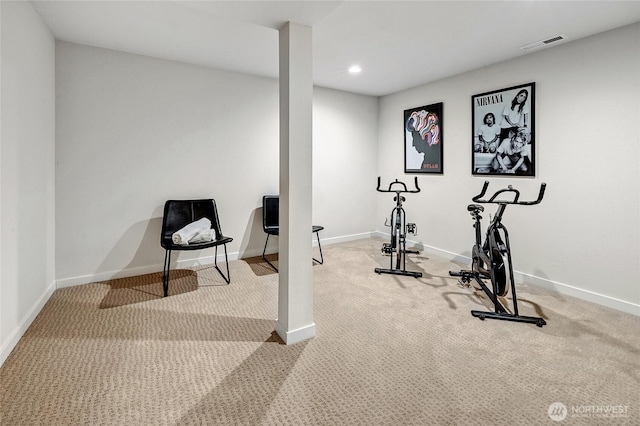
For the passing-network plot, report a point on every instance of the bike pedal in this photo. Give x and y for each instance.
(411, 228)
(386, 248)
(464, 284)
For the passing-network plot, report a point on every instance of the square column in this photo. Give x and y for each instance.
(295, 287)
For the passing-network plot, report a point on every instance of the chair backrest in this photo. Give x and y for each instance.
(179, 213)
(270, 212)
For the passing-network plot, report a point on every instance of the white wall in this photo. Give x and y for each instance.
(27, 276)
(583, 239)
(345, 135)
(134, 131)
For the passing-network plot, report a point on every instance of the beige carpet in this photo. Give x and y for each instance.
(389, 350)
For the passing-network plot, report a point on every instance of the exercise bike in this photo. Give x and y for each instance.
(488, 258)
(399, 230)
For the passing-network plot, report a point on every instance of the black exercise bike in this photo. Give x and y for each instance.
(488, 258)
(399, 231)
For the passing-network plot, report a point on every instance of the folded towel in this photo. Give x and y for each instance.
(204, 236)
(183, 235)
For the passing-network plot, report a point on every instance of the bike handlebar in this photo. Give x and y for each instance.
(397, 182)
(516, 196)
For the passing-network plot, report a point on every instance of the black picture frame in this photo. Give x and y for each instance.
(510, 150)
(424, 139)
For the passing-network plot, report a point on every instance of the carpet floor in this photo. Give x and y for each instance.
(389, 350)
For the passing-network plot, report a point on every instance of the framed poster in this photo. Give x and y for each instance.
(503, 132)
(423, 139)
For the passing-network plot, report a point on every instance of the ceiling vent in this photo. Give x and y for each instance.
(544, 43)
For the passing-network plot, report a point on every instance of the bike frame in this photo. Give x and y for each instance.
(398, 235)
(487, 258)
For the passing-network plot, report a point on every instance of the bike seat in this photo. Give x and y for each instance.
(475, 208)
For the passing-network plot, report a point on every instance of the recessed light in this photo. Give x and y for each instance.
(355, 69)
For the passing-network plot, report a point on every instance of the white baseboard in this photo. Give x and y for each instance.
(566, 289)
(292, 337)
(561, 288)
(314, 242)
(108, 275)
(149, 269)
(15, 336)
(346, 238)
(590, 296)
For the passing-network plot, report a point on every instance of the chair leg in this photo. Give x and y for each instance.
(321, 261)
(165, 272)
(227, 279)
(264, 257)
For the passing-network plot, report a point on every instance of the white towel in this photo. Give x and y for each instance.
(183, 235)
(204, 236)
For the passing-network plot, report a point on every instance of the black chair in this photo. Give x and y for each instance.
(178, 214)
(271, 225)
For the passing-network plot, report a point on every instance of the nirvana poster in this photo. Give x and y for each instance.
(502, 138)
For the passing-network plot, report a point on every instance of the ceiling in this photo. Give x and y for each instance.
(398, 44)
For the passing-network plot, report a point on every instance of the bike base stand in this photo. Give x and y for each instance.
(505, 316)
(399, 231)
(501, 312)
(386, 248)
(398, 272)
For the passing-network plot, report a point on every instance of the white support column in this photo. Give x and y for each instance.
(295, 291)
